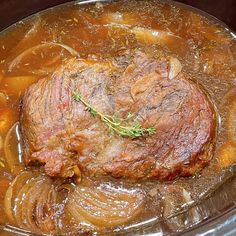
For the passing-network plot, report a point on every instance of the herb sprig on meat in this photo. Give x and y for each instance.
(117, 125)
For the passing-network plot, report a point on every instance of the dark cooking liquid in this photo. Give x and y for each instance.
(206, 50)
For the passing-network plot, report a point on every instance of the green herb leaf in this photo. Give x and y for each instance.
(130, 115)
(92, 111)
(151, 130)
(77, 97)
(115, 124)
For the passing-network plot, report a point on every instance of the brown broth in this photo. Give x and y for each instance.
(206, 49)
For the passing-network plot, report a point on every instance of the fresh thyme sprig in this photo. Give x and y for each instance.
(133, 131)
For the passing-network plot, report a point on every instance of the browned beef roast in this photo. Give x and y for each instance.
(60, 133)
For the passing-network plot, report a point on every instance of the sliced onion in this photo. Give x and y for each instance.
(145, 35)
(17, 60)
(228, 105)
(231, 118)
(32, 36)
(12, 192)
(163, 38)
(12, 159)
(45, 221)
(103, 207)
(117, 18)
(30, 203)
(175, 67)
(23, 205)
(227, 155)
(30, 211)
(231, 124)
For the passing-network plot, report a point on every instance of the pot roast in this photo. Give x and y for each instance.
(61, 134)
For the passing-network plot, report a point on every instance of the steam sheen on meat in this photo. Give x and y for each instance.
(61, 134)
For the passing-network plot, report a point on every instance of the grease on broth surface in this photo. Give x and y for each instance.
(35, 47)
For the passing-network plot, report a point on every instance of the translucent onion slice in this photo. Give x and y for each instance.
(45, 216)
(163, 38)
(231, 118)
(31, 36)
(30, 203)
(103, 207)
(154, 36)
(228, 104)
(17, 60)
(23, 205)
(12, 192)
(129, 19)
(175, 67)
(11, 158)
(227, 155)
(34, 210)
(232, 121)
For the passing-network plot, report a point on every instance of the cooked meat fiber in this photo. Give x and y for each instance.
(60, 133)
